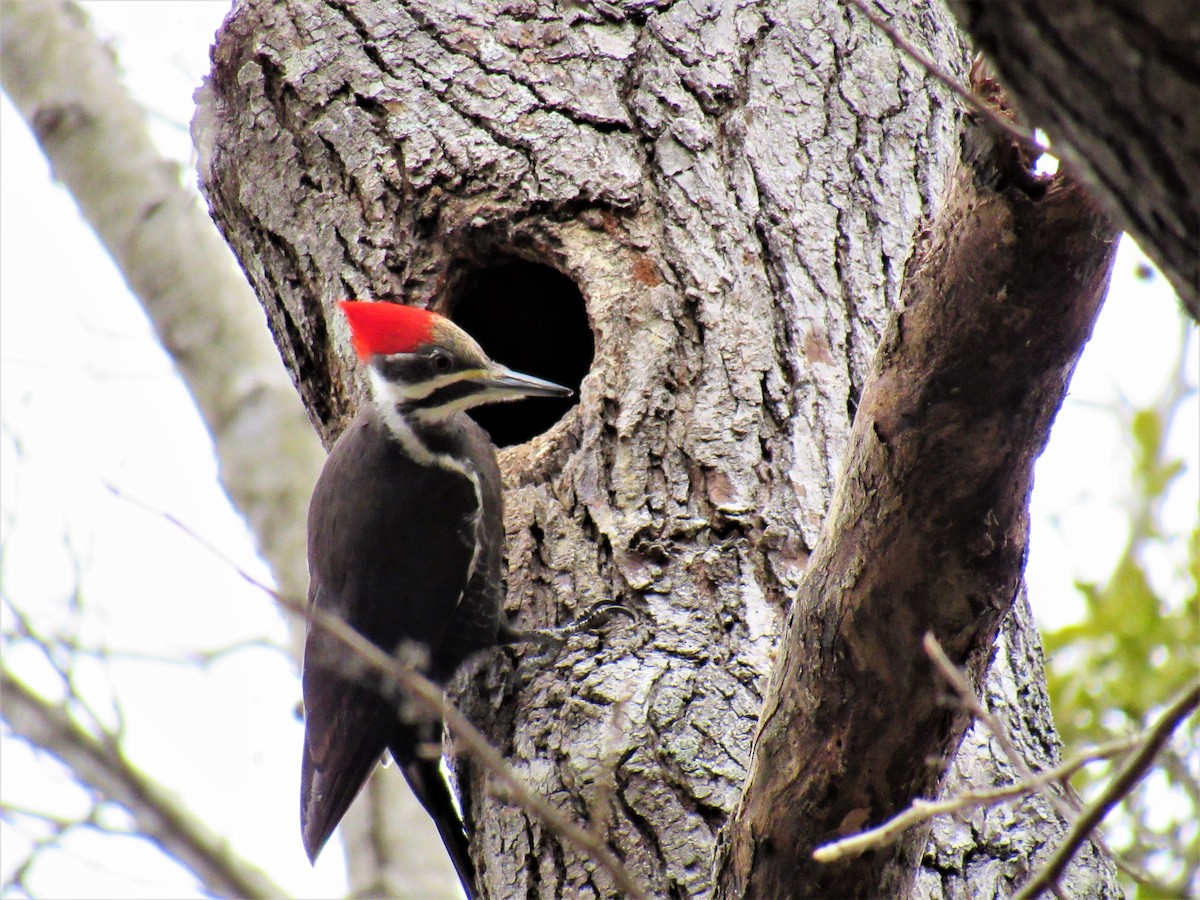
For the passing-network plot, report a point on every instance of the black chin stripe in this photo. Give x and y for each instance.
(444, 395)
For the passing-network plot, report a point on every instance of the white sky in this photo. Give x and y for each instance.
(87, 399)
(91, 400)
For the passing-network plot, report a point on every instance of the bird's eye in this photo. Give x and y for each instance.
(441, 360)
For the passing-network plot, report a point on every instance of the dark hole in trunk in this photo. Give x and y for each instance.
(531, 318)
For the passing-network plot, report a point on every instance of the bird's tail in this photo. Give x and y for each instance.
(425, 778)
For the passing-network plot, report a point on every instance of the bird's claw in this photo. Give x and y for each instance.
(595, 617)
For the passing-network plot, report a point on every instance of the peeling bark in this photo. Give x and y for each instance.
(737, 189)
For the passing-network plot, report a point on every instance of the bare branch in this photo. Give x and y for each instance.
(101, 766)
(924, 810)
(57, 827)
(1157, 887)
(973, 101)
(60, 653)
(1123, 782)
(66, 86)
(430, 697)
(1117, 89)
(927, 529)
(958, 680)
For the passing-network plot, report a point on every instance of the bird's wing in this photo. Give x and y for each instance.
(346, 728)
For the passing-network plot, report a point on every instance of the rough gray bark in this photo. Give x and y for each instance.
(736, 189)
(990, 852)
(1116, 86)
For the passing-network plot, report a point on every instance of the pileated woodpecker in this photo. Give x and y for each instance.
(405, 543)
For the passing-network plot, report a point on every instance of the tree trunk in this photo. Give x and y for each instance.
(737, 192)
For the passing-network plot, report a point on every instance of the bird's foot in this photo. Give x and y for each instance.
(596, 617)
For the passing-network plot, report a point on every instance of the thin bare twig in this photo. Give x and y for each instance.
(1155, 886)
(957, 680)
(1064, 803)
(97, 763)
(430, 697)
(1123, 782)
(58, 827)
(972, 100)
(62, 653)
(414, 686)
(923, 810)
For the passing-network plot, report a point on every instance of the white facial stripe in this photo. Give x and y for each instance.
(417, 449)
(383, 391)
(396, 392)
(443, 412)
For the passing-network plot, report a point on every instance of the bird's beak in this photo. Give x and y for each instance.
(502, 380)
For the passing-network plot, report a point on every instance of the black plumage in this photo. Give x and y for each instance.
(391, 543)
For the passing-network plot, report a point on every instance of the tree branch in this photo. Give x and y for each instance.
(927, 531)
(957, 679)
(67, 87)
(159, 818)
(408, 685)
(922, 811)
(974, 102)
(1116, 790)
(68, 90)
(1116, 87)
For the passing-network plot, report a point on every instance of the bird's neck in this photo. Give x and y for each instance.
(429, 441)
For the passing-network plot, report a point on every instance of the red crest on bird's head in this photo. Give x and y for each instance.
(380, 329)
